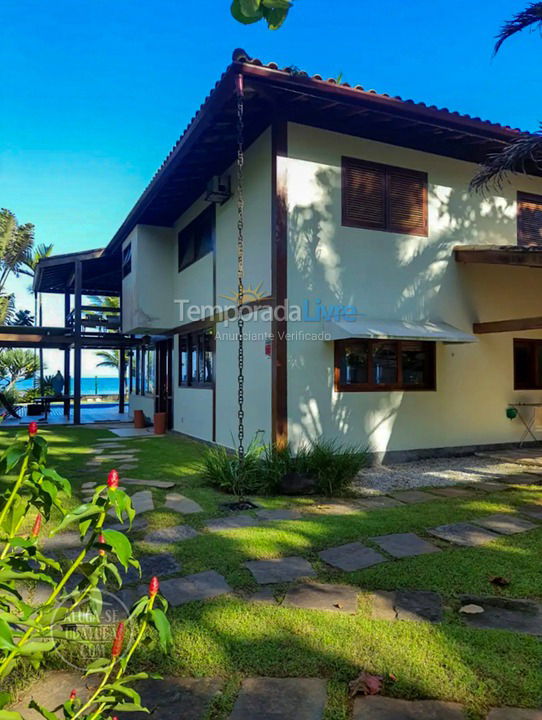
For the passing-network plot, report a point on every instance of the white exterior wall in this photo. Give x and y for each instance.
(388, 276)
(150, 291)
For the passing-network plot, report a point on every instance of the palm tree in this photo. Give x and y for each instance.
(526, 151)
(15, 243)
(15, 365)
(21, 317)
(110, 358)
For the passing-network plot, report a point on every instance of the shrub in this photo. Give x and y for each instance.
(333, 465)
(226, 471)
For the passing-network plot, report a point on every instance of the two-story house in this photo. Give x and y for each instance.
(409, 303)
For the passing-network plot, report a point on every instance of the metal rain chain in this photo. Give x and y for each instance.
(240, 267)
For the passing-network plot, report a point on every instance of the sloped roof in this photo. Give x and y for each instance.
(207, 146)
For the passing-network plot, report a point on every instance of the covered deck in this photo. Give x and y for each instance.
(86, 327)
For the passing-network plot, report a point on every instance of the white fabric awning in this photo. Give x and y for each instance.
(361, 327)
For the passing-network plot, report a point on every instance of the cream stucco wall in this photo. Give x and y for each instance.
(387, 275)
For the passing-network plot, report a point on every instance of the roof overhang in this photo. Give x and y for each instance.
(209, 144)
(499, 255)
(100, 273)
(381, 329)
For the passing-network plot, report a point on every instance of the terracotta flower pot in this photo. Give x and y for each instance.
(160, 423)
(139, 419)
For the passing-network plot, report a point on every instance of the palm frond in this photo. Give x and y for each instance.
(532, 15)
(516, 157)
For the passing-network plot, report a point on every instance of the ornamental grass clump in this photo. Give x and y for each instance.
(29, 632)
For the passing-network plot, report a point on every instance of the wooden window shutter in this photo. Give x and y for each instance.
(363, 194)
(407, 201)
(529, 219)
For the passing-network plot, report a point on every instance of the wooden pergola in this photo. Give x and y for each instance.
(510, 255)
(75, 275)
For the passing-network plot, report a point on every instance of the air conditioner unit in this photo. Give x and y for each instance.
(218, 189)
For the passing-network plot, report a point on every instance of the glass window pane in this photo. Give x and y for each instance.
(183, 360)
(523, 366)
(208, 349)
(415, 359)
(150, 372)
(354, 363)
(193, 359)
(384, 363)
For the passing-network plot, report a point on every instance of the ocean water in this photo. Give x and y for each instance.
(89, 385)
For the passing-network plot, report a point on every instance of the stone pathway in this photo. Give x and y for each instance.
(142, 501)
(280, 699)
(259, 698)
(170, 535)
(201, 586)
(401, 545)
(376, 707)
(231, 523)
(279, 570)
(317, 596)
(506, 524)
(417, 605)
(351, 557)
(524, 616)
(464, 534)
(162, 565)
(181, 504)
(161, 484)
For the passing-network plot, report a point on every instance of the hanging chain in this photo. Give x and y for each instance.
(240, 269)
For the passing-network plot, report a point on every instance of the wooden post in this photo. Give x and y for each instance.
(67, 384)
(78, 284)
(122, 377)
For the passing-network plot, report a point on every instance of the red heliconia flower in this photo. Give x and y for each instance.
(117, 642)
(154, 586)
(113, 480)
(37, 526)
(73, 694)
(101, 540)
(33, 429)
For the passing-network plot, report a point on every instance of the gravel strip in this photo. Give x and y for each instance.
(436, 472)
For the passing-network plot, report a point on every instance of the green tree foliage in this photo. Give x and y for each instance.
(22, 318)
(109, 358)
(15, 365)
(273, 12)
(16, 241)
(525, 152)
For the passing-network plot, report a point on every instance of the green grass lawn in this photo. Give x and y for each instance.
(231, 637)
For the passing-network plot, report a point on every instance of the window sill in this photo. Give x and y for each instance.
(383, 388)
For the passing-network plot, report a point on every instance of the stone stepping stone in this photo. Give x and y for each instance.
(62, 542)
(279, 514)
(317, 596)
(127, 466)
(334, 509)
(280, 699)
(231, 523)
(452, 492)
(161, 484)
(523, 479)
(51, 690)
(351, 557)
(175, 698)
(488, 486)
(201, 586)
(264, 595)
(376, 707)
(508, 713)
(279, 570)
(181, 504)
(405, 545)
(532, 510)
(506, 524)
(524, 616)
(88, 485)
(413, 496)
(142, 501)
(379, 503)
(464, 534)
(138, 524)
(411, 605)
(160, 565)
(170, 535)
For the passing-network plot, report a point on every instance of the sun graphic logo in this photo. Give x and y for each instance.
(250, 294)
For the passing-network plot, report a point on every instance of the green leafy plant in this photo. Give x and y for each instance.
(332, 464)
(29, 632)
(226, 470)
(274, 12)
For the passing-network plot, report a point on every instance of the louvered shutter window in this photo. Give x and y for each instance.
(382, 197)
(364, 195)
(529, 220)
(407, 202)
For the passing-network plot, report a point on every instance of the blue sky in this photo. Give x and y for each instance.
(94, 94)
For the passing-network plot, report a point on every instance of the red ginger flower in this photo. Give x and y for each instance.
(101, 540)
(37, 526)
(113, 480)
(73, 694)
(33, 428)
(154, 586)
(117, 642)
